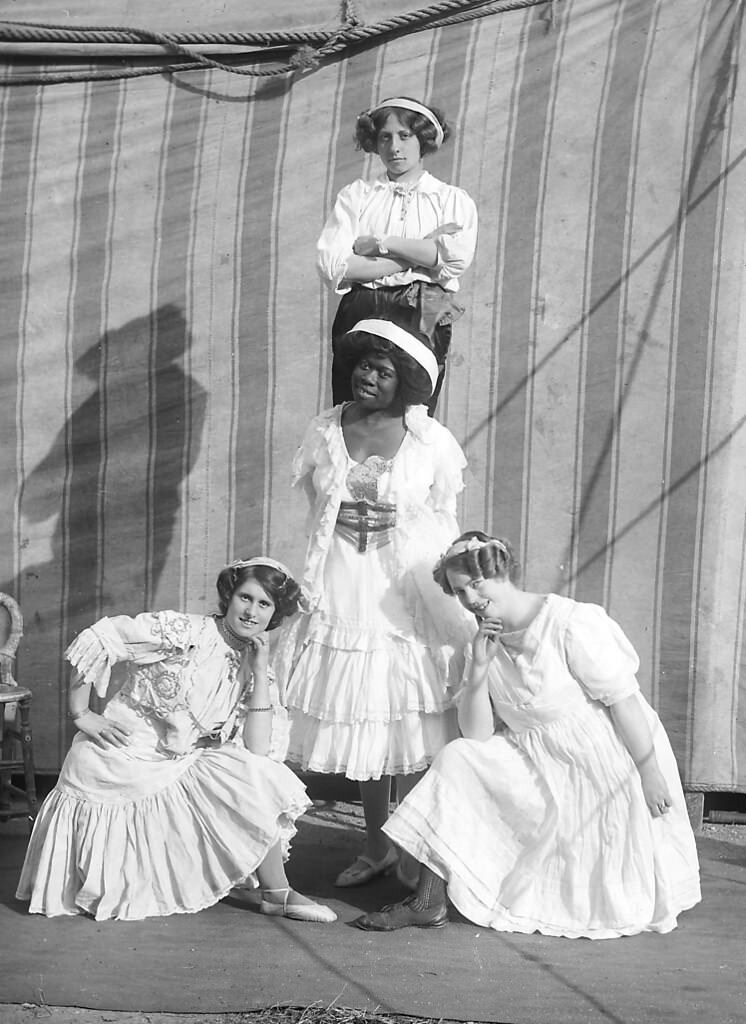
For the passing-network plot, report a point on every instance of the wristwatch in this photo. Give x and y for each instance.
(382, 250)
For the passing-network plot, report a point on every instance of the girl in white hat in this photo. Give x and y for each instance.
(367, 667)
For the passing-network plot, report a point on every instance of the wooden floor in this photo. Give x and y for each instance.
(229, 958)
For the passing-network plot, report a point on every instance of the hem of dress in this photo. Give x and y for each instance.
(498, 918)
(285, 831)
(82, 910)
(331, 716)
(341, 769)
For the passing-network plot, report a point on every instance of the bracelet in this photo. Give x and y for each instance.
(382, 250)
(268, 708)
(75, 715)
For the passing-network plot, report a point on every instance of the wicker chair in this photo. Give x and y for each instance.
(16, 744)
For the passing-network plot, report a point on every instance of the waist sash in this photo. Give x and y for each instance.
(366, 523)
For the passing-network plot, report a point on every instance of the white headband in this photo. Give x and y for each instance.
(418, 108)
(460, 547)
(246, 563)
(403, 340)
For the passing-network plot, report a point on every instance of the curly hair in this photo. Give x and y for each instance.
(492, 558)
(414, 384)
(282, 590)
(368, 126)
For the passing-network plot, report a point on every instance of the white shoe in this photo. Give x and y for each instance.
(364, 870)
(315, 912)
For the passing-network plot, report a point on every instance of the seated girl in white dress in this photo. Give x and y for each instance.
(176, 792)
(560, 810)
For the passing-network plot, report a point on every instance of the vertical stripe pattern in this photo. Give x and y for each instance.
(164, 337)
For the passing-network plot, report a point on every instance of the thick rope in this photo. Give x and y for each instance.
(25, 31)
(41, 32)
(351, 33)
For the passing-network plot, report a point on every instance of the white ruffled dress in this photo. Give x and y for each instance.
(163, 825)
(368, 671)
(544, 826)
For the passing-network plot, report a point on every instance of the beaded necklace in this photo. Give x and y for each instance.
(231, 637)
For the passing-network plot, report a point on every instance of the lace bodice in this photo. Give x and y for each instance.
(364, 478)
(181, 675)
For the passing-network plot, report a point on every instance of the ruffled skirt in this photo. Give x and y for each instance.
(367, 690)
(548, 831)
(128, 833)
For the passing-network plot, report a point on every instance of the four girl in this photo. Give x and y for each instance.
(559, 809)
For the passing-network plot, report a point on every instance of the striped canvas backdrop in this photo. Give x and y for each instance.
(164, 335)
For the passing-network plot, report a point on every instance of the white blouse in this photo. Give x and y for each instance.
(428, 208)
(181, 674)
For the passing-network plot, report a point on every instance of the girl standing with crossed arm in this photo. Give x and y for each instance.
(396, 247)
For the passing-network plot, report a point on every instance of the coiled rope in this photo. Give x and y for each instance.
(310, 48)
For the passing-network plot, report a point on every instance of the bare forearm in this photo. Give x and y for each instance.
(475, 708)
(633, 728)
(78, 696)
(257, 730)
(634, 731)
(102, 730)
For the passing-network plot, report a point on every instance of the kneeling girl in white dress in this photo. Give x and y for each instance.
(176, 792)
(560, 810)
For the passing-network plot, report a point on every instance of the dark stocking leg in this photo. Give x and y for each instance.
(431, 891)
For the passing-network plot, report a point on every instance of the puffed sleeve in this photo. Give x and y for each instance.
(334, 246)
(94, 652)
(448, 476)
(600, 656)
(456, 248)
(145, 638)
(304, 459)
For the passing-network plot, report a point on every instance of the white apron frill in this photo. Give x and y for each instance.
(368, 670)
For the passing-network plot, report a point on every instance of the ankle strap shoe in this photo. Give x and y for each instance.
(315, 912)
